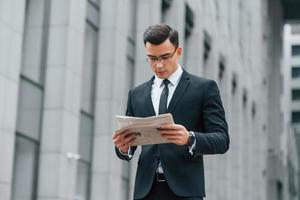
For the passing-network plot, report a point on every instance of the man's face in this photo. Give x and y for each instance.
(163, 58)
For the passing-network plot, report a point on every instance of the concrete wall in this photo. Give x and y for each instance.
(11, 36)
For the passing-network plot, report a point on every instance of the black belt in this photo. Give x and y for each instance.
(160, 177)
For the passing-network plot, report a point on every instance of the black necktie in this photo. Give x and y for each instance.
(161, 110)
(164, 98)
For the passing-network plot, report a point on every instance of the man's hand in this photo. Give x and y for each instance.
(176, 133)
(123, 140)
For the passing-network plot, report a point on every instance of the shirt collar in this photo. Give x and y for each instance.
(174, 78)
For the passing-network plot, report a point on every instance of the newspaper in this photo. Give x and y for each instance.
(145, 129)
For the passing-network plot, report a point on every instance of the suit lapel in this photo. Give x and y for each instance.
(148, 100)
(179, 91)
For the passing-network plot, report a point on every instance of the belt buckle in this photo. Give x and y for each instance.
(160, 179)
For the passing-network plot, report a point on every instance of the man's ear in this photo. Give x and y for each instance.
(179, 50)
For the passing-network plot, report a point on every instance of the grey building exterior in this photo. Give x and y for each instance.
(66, 67)
(292, 88)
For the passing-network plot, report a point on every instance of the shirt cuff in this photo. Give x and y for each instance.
(191, 149)
(126, 154)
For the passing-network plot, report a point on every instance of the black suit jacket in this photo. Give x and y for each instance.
(196, 104)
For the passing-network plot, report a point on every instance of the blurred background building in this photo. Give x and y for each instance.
(66, 67)
(291, 71)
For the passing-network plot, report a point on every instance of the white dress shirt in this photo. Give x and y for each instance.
(158, 86)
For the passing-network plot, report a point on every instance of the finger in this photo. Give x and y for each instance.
(130, 143)
(171, 133)
(118, 143)
(170, 127)
(115, 140)
(170, 137)
(128, 139)
(174, 141)
(121, 131)
(177, 141)
(124, 141)
(168, 130)
(115, 135)
(126, 133)
(118, 138)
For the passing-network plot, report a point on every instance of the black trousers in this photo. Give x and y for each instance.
(162, 191)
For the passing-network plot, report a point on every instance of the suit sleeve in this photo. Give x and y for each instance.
(129, 112)
(215, 138)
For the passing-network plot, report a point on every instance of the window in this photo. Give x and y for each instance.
(221, 68)
(279, 192)
(34, 41)
(253, 110)
(245, 98)
(84, 163)
(130, 62)
(296, 50)
(189, 24)
(89, 69)
(233, 84)
(165, 7)
(296, 116)
(92, 12)
(292, 179)
(96, 2)
(189, 20)
(87, 101)
(165, 4)
(29, 109)
(295, 29)
(207, 47)
(295, 71)
(83, 181)
(30, 102)
(85, 137)
(296, 94)
(24, 179)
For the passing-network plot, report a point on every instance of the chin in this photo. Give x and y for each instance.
(163, 75)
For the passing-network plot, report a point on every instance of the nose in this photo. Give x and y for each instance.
(159, 64)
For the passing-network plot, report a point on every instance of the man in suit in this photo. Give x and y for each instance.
(173, 170)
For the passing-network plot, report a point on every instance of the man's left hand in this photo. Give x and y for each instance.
(175, 133)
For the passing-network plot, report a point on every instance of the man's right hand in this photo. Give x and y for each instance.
(123, 140)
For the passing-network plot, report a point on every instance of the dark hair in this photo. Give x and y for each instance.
(157, 34)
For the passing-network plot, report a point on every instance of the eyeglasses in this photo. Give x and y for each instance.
(164, 57)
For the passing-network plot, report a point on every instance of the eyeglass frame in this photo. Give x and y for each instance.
(164, 57)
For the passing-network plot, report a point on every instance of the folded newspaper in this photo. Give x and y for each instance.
(145, 129)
